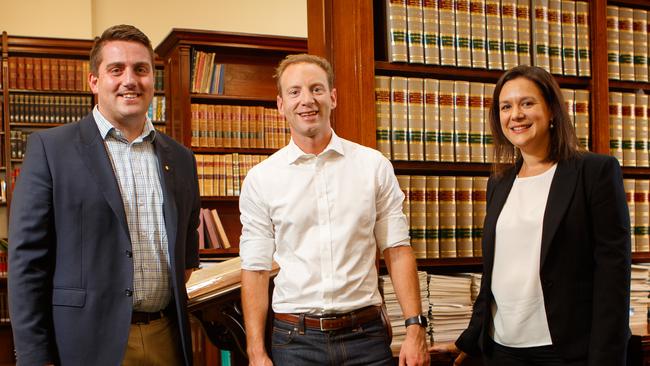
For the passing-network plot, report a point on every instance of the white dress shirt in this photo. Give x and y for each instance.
(518, 312)
(321, 218)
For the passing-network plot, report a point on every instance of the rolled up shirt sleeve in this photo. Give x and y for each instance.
(257, 242)
(391, 225)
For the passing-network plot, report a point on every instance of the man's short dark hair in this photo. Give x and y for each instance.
(122, 32)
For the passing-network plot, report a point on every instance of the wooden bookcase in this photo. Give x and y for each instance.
(358, 54)
(249, 62)
(19, 89)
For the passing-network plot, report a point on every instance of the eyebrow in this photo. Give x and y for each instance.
(122, 64)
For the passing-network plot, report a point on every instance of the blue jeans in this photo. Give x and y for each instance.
(366, 345)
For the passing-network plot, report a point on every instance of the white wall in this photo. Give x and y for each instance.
(88, 18)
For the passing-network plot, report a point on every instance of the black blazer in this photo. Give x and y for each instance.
(585, 262)
(69, 256)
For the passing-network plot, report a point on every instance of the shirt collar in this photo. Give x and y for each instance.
(105, 128)
(294, 153)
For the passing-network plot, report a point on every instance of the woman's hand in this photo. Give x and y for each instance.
(450, 348)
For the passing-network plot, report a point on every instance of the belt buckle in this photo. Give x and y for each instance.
(320, 321)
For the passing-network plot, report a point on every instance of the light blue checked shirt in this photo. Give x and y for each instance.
(136, 168)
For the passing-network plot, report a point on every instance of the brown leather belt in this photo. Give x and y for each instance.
(141, 317)
(335, 321)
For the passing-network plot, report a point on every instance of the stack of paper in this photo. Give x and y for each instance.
(451, 306)
(639, 290)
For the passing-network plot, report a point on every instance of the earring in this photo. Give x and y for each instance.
(552, 126)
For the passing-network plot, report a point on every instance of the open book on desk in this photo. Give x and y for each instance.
(216, 280)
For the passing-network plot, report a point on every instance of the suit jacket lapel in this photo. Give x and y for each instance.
(496, 201)
(167, 182)
(94, 154)
(559, 198)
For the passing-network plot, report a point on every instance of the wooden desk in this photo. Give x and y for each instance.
(215, 300)
(222, 319)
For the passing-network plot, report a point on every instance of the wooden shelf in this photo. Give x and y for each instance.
(233, 251)
(441, 168)
(636, 172)
(35, 124)
(226, 199)
(235, 99)
(58, 92)
(460, 73)
(450, 263)
(231, 150)
(640, 257)
(619, 85)
(631, 3)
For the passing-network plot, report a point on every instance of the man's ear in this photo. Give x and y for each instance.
(279, 102)
(333, 96)
(92, 82)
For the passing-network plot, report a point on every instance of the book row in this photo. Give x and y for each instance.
(157, 112)
(211, 232)
(445, 214)
(637, 192)
(35, 73)
(238, 126)
(159, 80)
(48, 108)
(492, 34)
(206, 76)
(444, 120)
(628, 128)
(628, 32)
(18, 141)
(222, 174)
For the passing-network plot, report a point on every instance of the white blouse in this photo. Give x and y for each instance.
(519, 317)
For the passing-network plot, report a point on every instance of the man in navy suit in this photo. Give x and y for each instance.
(103, 227)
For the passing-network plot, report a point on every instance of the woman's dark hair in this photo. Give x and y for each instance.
(564, 143)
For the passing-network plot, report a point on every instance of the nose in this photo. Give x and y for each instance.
(517, 112)
(306, 97)
(129, 76)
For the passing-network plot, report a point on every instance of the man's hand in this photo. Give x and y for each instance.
(451, 349)
(414, 349)
(261, 360)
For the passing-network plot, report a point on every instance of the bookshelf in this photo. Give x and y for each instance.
(43, 85)
(356, 67)
(360, 53)
(221, 84)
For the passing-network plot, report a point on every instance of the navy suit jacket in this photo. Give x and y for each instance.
(585, 262)
(70, 252)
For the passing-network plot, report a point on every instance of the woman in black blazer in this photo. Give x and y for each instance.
(556, 246)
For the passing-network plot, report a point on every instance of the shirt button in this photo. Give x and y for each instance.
(128, 253)
(128, 292)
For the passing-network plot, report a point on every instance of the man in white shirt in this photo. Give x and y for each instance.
(321, 207)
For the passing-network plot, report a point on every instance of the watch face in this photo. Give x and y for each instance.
(423, 320)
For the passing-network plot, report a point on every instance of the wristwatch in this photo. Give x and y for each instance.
(419, 319)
